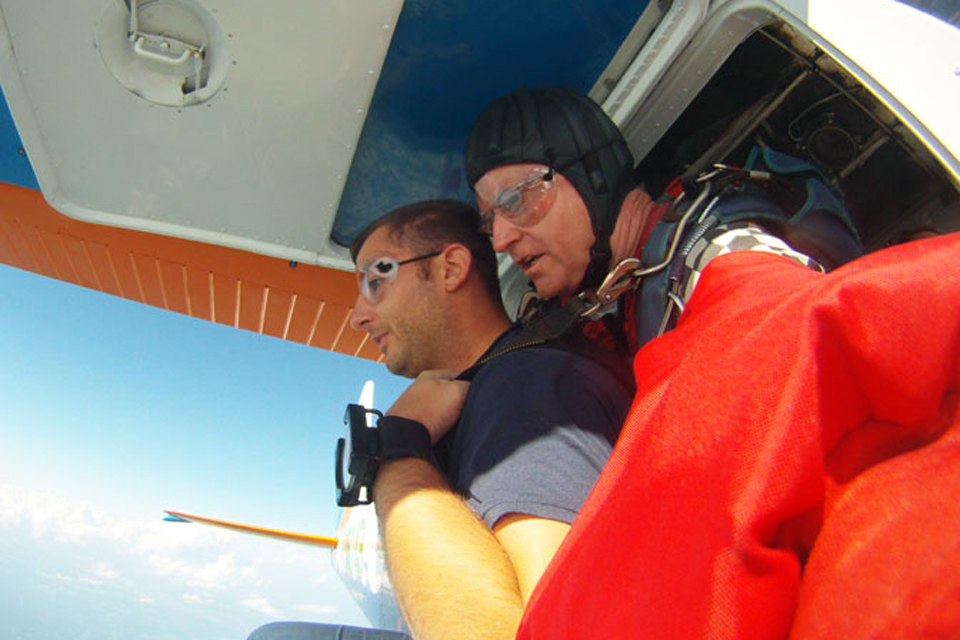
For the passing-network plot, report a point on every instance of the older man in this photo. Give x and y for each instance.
(791, 463)
(556, 190)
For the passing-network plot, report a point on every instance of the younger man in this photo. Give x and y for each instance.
(468, 538)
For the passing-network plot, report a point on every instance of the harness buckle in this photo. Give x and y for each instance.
(619, 280)
(627, 274)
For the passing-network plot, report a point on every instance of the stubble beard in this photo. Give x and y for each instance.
(418, 346)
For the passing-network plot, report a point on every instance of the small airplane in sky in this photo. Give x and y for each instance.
(217, 158)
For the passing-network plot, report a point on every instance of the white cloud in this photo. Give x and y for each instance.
(317, 609)
(75, 522)
(155, 562)
(215, 575)
(166, 566)
(105, 572)
(262, 605)
(62, 577)
(49, 516)
(218, 574)
(69, 522)
(102, 573)
(197, 598)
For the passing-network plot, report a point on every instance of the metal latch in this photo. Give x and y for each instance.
(167, 55)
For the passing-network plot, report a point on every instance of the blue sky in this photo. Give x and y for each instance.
(110, 412)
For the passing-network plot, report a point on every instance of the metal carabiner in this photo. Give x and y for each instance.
(626, 275)
(619, 280)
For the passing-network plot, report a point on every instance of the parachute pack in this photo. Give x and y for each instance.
(786, 197)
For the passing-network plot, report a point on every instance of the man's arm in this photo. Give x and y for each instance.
(451, 576)
(454, 578)
(531, 543)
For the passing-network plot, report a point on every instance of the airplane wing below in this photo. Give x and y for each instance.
(358, 557)
(304, 538)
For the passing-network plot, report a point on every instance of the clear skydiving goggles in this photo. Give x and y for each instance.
(523, 204)
(380, 272)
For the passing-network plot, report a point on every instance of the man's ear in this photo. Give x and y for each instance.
(456, 261)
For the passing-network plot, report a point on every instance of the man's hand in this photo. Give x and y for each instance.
(434, 399)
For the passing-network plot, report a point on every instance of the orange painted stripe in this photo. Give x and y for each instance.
(304, 538)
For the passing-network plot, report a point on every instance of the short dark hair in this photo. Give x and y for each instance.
(433, 225)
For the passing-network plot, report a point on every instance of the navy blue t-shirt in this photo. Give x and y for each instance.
(536, 429)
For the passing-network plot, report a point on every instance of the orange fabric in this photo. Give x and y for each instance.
(790, 467)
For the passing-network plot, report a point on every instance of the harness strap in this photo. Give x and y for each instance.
(550, 325)
(724, 187)
(554, 327)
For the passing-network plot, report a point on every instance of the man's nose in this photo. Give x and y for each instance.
(362, 313)
(505, 234)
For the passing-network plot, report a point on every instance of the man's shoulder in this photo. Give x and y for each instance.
(534, 389)
(554, 354)
(532, 372)
(736, 237)
(749, 236)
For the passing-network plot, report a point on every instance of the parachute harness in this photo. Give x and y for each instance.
(627, 274)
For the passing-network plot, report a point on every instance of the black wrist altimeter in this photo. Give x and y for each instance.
(360, 453)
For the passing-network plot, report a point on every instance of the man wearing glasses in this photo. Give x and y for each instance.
(791, 463)
(469, 531)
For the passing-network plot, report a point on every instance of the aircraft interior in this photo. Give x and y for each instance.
(778, 90)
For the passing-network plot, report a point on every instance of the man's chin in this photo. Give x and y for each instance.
(393, 368)
(400, 368)
(550, 288)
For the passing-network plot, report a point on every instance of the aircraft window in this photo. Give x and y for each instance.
(889, 180)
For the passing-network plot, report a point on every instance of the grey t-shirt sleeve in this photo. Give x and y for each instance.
(537, 427)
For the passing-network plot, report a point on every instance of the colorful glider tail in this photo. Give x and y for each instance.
(172, 518)
(358, 558)
(358, 554)
(303, 538)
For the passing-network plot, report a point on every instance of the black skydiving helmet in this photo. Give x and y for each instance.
(569, 132)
